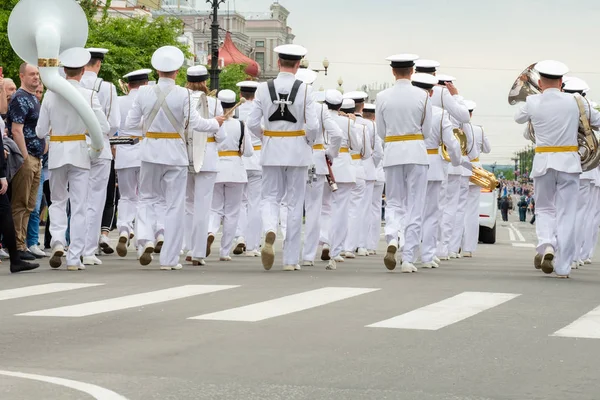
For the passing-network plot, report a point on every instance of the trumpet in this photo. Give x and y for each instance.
(230, 112)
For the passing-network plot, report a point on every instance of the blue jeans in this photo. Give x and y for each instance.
(33, 229)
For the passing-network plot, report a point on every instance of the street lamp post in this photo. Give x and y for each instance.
(305, 63)
(214, 43)
(340, 82)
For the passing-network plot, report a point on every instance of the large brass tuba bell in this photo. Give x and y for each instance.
(462, 139)
(525, 85)
(484, 179)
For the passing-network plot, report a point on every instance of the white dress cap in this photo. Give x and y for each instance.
(575, 85)
(139, 75)
(97, 53)
(197, 73)
(471, 105)
(167, 59)
(227, 97)
(306, 75)
(290, 52)
(358, 96)
(247, 86)
(369, 107)
(319, 96)
(551, 69)
(333, 97)
(442, 79)
(402, 60)
(75, 57)
(348, 104)
(426, 66)
(424, 81)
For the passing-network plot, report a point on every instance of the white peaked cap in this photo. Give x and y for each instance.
(96, 52)
(290, 52)
(575, 85)
(348, 103)
(306, 75)
(319, 96)
(445, 78)
(247, 85)
(426, 65)
(333, 97)
(402, 60)
(358, 96)
(139, 75)
(75, 57)
(167, 59)
(551, 69)
(424, 81)
(471, 105)
(227, 96)
(369, 107)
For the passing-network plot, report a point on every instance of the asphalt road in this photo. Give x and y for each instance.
(480, 328)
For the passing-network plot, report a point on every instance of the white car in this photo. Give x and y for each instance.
(488, 210)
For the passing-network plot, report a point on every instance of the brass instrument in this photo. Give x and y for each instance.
(123, 86)
(462, 139)
(230, 112)
(484, 179)
(212, 93)
(526, 85)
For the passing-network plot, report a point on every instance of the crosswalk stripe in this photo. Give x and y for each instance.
(126, 302)
(47, 288)
(525, 245)
(285, 305)
(586, 327)
(446, 312)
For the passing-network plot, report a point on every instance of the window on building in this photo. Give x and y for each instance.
(260, 43)
(260, 59)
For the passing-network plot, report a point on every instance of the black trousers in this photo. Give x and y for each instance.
(47, 235)
(7, 228)
(108, 216)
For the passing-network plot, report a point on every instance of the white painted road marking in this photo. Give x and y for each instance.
(519, 235)
(511, 234)
(526, 245)
(285, 305)
(446, 312)
(587, 327)
(37, 290)
(96, 392)
(126, 302)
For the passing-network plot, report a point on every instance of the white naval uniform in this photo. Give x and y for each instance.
(127, 166)
(200, 186)
(328, 142)
(404, 110)
(100, 167)
(454, 105)
(230, 181)
(590, 240)
(555, 119)
(250, 223)
(481, 145)
(69, 166)
(285, 160)
(441, 131)
(376, 208)
(345, 176)
(164, 167)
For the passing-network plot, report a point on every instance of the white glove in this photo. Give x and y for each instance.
(94, 154)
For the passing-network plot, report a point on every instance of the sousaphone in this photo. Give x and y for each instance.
(39, 31)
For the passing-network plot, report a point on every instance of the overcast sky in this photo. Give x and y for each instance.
(485, 44)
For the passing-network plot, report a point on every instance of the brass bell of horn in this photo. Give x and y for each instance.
(525, 85)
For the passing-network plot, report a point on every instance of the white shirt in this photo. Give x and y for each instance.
(555, 119)
(330, 137)
(285, 151)
(342, 168)
(128, 156)
(455, 105)
(166, 151)
(361, 148)
(403, 110)
(231, 168)
(376, 145)
(251, 163)
(58, 115)
(107, 94)
(441, 128)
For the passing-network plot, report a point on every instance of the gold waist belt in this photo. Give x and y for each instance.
(475, 159)
(319, 147)
(556, 149)
(433, 151)
(404, 138)
(356, 156)
(211, 140)
(163, 135)
(256, 148)
(344, 150)
(284, 133)
(66, 138)
(229, 153)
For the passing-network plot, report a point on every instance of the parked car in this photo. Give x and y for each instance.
(488, 210)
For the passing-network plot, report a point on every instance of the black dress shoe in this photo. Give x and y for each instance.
(26, 256)
(22, 266)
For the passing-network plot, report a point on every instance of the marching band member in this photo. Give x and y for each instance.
(127, 162)
(199, 188)
(326, 147)
(404, 121)
(101, 167)
(441, 132)
(166, 113)
(291, 127)
(69, 160)
(231, 178)
(556, 167)
(480, 145)
(249, 226)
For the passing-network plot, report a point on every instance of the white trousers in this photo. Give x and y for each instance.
(313, 204)
(129, 179)
(249, 226)
(158, 183)
(326, 215)
(406, 186)
(280, 181)
(375, 218)
(97, 187)
(583, 214)
(69, 183)
(556, 215)
(471, 235)
(340, 203)
(592, 222)
(203, 184)
(364, 217)
(458, 227)
(356, 215)
(431, 221)
(226, 205)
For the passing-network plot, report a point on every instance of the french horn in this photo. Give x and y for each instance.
(526, 85)
(38, 31)
(484, 179)
(462, 139)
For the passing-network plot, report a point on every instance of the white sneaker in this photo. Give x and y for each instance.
(325, 253)
(289, 267)
(188, 256)
(408, 267)
(436, 260)
(57, 252)
(253, 253)
(36, 251)
(297, 267)
(177, 267)
(580, 263)
(79, 267)
(91, 260)
(226, 258)
(122, 245)
(467, 254)
(160, 240)
(362, 252)
(146, 256)
(4, 255)
(453, 255)
(338, 259)
(308, 264)
(372, 252)
(104, 244)
(198, 261)
(390, 257)
(443, 258)
(331, 265)
(547, 264)
(587, 261)
(240, 246)
(350, 254)
(429, 265)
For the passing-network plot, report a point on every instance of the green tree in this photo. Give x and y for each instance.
(230, 76)
(9, 61)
